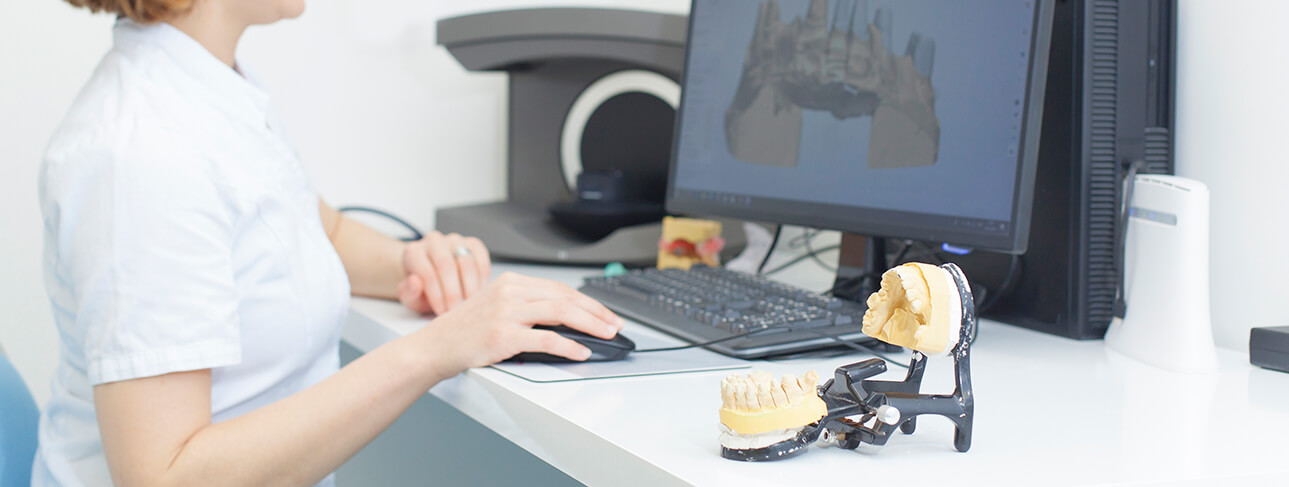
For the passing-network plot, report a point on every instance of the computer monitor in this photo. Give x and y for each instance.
(912, 119)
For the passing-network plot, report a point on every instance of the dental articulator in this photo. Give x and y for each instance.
(925, 308)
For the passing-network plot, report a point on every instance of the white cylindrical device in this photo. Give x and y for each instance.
(1168, 322)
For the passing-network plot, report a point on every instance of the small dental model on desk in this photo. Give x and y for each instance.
(925, 308)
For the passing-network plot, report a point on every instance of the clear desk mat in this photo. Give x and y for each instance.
(636, 364)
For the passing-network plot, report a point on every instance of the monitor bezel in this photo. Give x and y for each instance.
(866, 221)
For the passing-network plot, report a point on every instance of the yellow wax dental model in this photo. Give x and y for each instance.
(757, 403)
(918, 307)
(757, 410)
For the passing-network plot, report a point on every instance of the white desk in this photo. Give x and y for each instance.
(1049, 411)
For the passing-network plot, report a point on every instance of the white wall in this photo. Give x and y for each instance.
(1232, 123)
(384, 117)
(380, 114)
(47, 51)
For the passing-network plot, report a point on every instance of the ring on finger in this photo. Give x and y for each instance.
(461, 251)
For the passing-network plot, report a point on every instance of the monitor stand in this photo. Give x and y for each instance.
(860, 267)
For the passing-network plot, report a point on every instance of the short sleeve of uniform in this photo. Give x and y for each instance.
(146, 236)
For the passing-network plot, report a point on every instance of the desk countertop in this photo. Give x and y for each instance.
(1049, 411)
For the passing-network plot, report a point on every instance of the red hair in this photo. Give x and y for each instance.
(142, 11)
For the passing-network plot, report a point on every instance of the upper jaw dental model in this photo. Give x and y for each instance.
(922, 307)
(918, 307)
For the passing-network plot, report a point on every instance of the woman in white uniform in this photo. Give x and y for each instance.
(199, 284)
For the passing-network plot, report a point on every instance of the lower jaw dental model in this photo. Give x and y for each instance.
(922, 307)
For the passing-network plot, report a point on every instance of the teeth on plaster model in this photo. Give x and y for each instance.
(918, 307)
(757, 403)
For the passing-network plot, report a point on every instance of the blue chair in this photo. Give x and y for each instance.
(18, 420)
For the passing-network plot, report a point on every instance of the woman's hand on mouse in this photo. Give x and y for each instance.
(441, 271)
(497, 323)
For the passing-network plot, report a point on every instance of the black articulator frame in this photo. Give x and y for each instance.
(861, 410)
(868, 411)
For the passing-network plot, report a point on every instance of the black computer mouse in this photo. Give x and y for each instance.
(601, 350)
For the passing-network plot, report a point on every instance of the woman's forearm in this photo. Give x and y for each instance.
(314, 431)
(295, 441)
(158, 431)
(372, 260)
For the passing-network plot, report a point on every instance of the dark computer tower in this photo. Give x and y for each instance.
(1109, 102)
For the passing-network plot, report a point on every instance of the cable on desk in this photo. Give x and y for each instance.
(857, 347)
(807, 235)
(416, 234)
(778, 229)
(815, 255)
(816, 354)
(1004, 288)
(704, 344)
(800, 258)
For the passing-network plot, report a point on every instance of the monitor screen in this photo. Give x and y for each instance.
(910, 119)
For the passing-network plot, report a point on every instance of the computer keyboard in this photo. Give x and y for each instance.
(708, 303)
